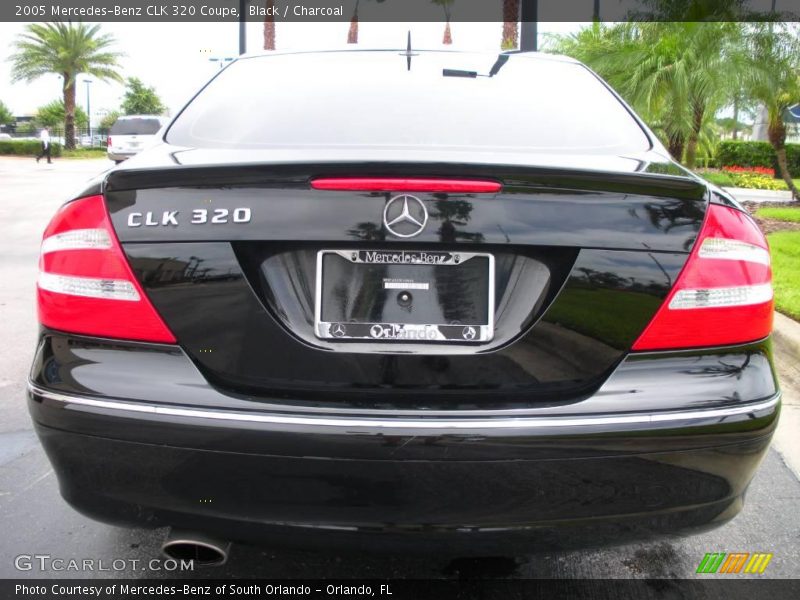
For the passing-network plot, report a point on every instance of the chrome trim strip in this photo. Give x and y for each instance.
(419, 423)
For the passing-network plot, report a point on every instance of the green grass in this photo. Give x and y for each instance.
(785, 246)
(84, 153)
(611, 316)
(791, 215)
(720, 179)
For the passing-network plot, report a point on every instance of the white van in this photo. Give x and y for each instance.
(131, 134)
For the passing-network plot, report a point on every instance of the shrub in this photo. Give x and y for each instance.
(757, 154)
(754, 181)
(26, 147)
(755, 178)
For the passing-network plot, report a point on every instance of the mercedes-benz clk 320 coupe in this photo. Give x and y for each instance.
(402, 300)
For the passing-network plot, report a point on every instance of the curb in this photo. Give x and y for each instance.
(760, 193)
(786, 333)
(748, 195)
(786, 346)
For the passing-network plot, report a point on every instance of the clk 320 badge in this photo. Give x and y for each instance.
(199, 216)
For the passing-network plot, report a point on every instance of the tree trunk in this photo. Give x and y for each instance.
(736, 118)
(777, 137)
(269, 27)
(694, 137)
(675, 146)
(691, 151)
(510, 20)
(352, 34)
(69, 112)
(448, 38)
(783, 166)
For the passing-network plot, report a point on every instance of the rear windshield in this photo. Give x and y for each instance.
(373, 100)
(135, 127)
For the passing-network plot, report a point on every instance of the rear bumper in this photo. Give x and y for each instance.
(117, 155)
(465, 506)
(467, 484)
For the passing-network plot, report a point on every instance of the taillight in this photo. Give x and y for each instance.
(108, 141)
(407, 184)
(723, 295)
(85, 283)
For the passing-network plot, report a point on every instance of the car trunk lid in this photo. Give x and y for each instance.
(229, 256)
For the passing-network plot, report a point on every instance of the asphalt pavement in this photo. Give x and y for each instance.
(35, 521)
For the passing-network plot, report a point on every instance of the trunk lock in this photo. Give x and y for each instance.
(404, 299)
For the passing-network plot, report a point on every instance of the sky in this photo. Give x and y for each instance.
(175, 58)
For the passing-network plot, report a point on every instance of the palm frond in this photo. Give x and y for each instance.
(66, 49)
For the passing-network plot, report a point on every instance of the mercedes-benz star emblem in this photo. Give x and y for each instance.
(405, 216)
(469, 333)
(337, 330)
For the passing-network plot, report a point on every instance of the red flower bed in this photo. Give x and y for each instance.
(755, 170)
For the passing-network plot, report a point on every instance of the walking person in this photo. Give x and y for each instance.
(44, 137)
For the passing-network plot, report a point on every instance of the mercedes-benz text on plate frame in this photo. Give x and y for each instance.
(405, 296)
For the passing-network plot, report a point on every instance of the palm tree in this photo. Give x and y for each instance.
(773, 53)
(510, 20)
(65, 49)
(352, 33)
(676, 74)
(622, 56)
(269, 26)
(696, 66)
(447, 39)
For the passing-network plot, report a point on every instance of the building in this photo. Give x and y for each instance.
(792, 119)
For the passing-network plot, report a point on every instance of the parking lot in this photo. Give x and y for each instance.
(34, 519)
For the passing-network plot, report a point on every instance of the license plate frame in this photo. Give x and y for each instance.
(394, 331)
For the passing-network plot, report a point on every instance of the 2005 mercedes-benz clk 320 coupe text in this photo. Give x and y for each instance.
(405, 300)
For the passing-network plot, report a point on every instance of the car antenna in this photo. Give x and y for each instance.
(408, 53)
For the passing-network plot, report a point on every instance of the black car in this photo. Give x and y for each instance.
(405, 301)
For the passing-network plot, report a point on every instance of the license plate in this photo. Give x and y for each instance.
(404, 296)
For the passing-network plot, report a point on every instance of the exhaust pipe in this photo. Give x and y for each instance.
(204, 550)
